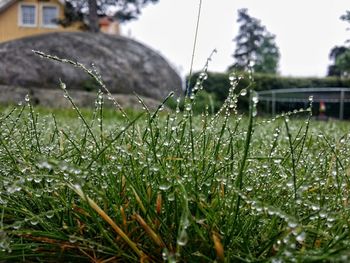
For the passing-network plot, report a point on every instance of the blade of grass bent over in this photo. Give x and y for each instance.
(117, 229)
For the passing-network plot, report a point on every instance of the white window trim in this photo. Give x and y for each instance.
(42, 15)
(20, 15)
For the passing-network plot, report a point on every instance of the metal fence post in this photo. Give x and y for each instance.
(341, 105)
(273, 102)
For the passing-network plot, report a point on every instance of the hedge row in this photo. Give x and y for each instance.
(219, 84)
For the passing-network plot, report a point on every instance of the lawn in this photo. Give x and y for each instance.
(104, 186)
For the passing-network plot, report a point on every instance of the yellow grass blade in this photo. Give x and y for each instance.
(149, 231)
(118, 230)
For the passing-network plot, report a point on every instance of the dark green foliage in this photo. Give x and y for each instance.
(203, 100)
(219, 84)
(267, 56)
(340, 56)
(88, 11)
(89, 85)
(343, 64)
(71, 15)
(254, 44)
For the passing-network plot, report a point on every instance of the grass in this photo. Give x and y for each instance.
(102, 186)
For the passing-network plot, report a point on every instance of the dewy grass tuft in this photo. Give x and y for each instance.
(84, 185)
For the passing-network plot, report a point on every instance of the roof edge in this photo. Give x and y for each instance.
(4, 4)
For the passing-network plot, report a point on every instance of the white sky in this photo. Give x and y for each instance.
(305, 31)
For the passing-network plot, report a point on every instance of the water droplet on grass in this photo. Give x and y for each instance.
(50, 214)
(292, 224)
(249, 188)
(17, 225)
(315, 207)
(164, 186)
(301, 237)
(243, 92)
(34, 221)
(255, 98)
(37, 179)
(183, 238)
(171, 196)
(73, 239)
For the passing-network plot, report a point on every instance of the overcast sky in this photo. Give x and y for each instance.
(305, 31)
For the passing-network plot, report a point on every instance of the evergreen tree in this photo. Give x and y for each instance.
(89, 11)
(254, 45)
(340, 56)
(346, 17)
(267, 56)
(336, 55)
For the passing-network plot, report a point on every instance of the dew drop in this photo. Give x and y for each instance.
(249, 188)
(183, 238)
(255, 112)
(315, 207)
(243, 92)
(34, 221)
(73, 239)
(17, 225)
(164, 186)
(292, 224)
(171, 197)
(255, 97)
(50, 214)
(301, 237)
(37, 179)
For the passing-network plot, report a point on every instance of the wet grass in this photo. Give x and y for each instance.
(105, 186)
(102, 186)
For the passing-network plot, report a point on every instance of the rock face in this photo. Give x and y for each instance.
(125, 65)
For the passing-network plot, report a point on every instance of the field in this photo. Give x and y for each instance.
(105, 186)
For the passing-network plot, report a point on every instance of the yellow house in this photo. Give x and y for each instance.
(22, 18)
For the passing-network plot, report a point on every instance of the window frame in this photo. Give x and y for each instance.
(42, 15)
(20, 15)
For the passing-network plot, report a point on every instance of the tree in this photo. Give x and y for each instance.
(343, 63)
(254, 45)
(267, 56)
(89, 11)
(340, 56)
(346, 17)
(336, 54)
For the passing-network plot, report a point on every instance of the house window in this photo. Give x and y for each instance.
(49, 16)
(28, 15)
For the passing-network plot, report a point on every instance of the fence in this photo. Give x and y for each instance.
(301, 95)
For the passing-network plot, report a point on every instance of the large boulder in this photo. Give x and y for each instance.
(125, 65)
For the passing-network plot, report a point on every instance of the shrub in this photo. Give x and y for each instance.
(204, 99)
